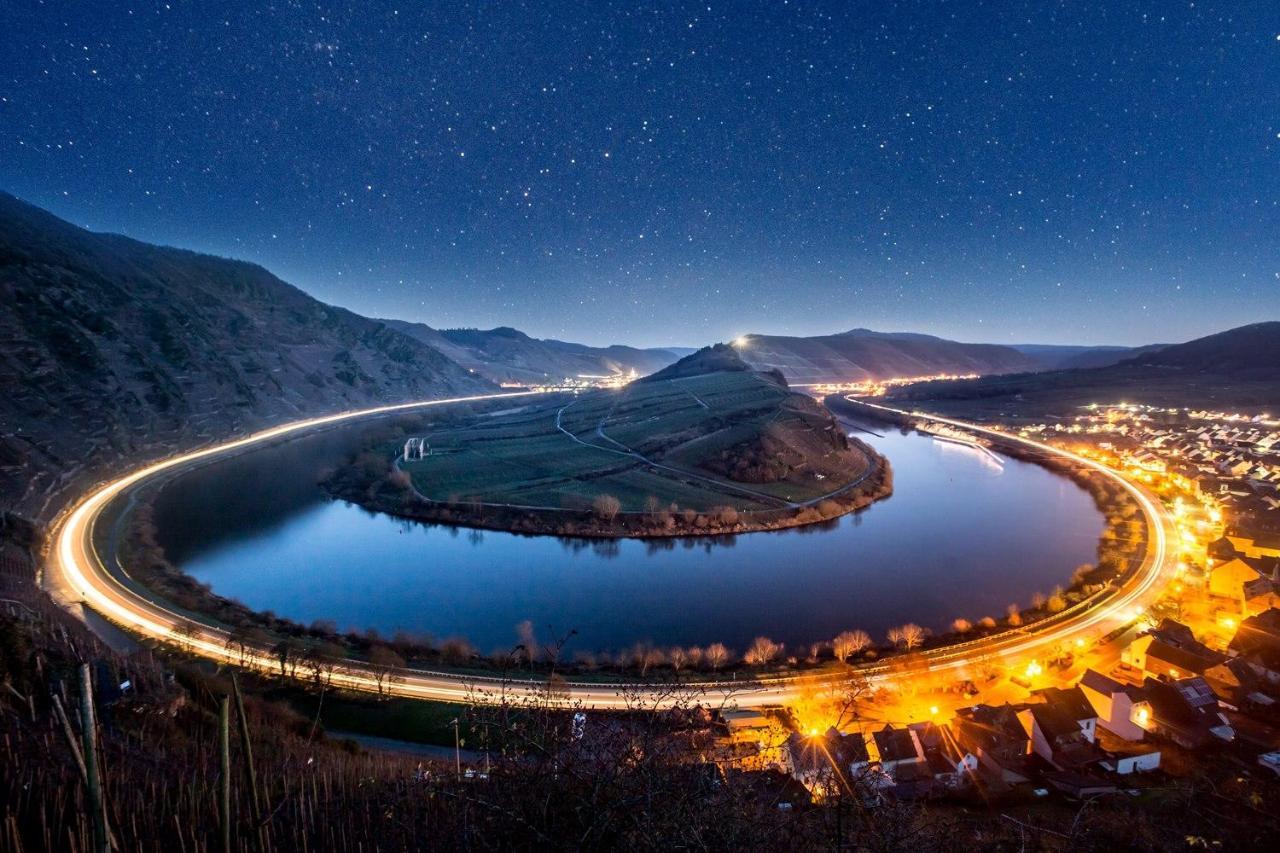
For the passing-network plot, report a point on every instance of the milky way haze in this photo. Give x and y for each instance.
(1083, 172)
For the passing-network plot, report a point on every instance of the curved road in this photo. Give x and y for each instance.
(78, 573)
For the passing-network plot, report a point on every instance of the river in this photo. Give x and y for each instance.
(962, 535)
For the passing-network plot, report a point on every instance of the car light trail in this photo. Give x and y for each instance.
(80, 569)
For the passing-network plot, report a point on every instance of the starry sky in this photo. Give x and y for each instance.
(1066, 172)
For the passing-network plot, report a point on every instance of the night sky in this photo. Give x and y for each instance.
(1083, 172)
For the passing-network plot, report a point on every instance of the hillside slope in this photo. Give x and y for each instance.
(861, 354)
(1238, 370)
(115, 347)
(509, 355)
(1056, 357)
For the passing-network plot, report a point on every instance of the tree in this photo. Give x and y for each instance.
(678, 657)
(1015, 615)
(456, 650)
(651, 506)
(288, 654)
(762, 651)
(849, 643)
(643, 656)
(1057, 601)
(524, 630)
(240, 641)
(961, 626)
(908, 636)
(185, 633)
(716, 655)
(383, 663)
(606, 507)
(331, 658)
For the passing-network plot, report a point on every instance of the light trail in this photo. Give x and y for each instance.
(79, 568)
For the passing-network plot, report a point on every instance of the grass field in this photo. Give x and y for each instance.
(647, 439)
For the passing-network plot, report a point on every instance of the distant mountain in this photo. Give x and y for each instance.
(114, 347)
(862, 354)
(509, 355)
(1055, 357)
(1237, 370)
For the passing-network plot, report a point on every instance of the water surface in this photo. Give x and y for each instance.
(961, 536)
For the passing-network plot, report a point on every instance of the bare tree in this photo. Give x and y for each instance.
(383, 663)
(607, 507)
(762, 651)
(678, 657)
(332, 660)
(528, 639)
(716, 655)
(961, 625)
(1057, 601)
(849, 643)
(643, 656)
(1015, 615)
(908, 636)
(185, 633)
(240, 642)
(288, 654)
(456, 650)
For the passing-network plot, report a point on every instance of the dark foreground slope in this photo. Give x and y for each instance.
(1236, 370)
(861, 354)
(112, 346)
(509, 355)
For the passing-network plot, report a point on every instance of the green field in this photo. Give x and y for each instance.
(647, 439)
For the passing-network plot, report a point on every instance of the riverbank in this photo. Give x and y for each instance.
(1120, 546)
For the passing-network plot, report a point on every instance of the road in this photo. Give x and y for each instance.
(77, 573)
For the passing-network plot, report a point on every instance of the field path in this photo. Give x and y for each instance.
(681, 472)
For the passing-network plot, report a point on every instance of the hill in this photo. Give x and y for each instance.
(1058, 357)
(719, 358)
(507, 355)
(1235, 370)
(861, 354)
(113, 346)
(705, 445)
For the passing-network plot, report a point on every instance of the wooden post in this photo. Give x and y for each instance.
(93, 774)
(224, 784)
(72, 741)
(251, 775)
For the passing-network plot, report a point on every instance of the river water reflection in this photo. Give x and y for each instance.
(962, 535)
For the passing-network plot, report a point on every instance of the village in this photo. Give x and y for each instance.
(1190, 686)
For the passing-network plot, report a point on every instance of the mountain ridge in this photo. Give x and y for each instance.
(1237, 369)
(862, 354)
(508, 355)
(138, 348)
